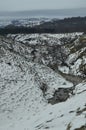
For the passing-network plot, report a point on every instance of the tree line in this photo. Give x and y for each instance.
(67, 25)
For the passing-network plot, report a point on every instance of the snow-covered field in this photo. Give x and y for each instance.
(23, 104)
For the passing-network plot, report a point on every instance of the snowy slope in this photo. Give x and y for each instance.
(23, 103)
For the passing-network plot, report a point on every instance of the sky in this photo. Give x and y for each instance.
(21, 5)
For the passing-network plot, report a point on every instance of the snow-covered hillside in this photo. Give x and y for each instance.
(19, 21)
(42, 82)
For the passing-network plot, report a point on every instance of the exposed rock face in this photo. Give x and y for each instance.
(61, 95)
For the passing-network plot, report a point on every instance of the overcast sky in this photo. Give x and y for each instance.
(16, 5)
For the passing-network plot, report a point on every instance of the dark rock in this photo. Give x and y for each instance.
(60, 95)
(81, 128)
(44, 88)
(9, 63)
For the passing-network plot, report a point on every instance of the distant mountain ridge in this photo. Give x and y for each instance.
(60, 13)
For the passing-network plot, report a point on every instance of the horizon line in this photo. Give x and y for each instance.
(14, 11)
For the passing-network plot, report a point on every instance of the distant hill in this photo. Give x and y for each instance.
(67, 25)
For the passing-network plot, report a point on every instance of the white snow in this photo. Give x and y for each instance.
(22, 104)
(64, 69)
(53, 117)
